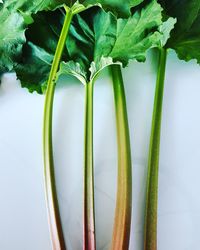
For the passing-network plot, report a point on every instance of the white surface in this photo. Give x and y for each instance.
(23, 220)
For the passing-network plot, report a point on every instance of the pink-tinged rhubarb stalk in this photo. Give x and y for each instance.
(55, 224)
(89, 209)
(150, 242)
(122, 223)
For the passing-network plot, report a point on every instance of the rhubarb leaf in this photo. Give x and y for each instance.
(119, 7)
(185, 38)
(118, 40)
(29, 7)
(37, 55)
(12, 38)
(89, 48)
(15, 12)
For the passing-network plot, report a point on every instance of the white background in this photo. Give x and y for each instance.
(23, 219)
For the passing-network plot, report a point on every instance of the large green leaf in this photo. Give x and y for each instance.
(31, 7)
(14, 18)
(14, 12)
(118, 40)
(185, 38)
(119, 7)
(12, 38)
(35, 63)
(97, 39)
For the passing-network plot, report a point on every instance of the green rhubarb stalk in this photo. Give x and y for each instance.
(56, 230)
(89, 210)
(122, 223)
(150, 242)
